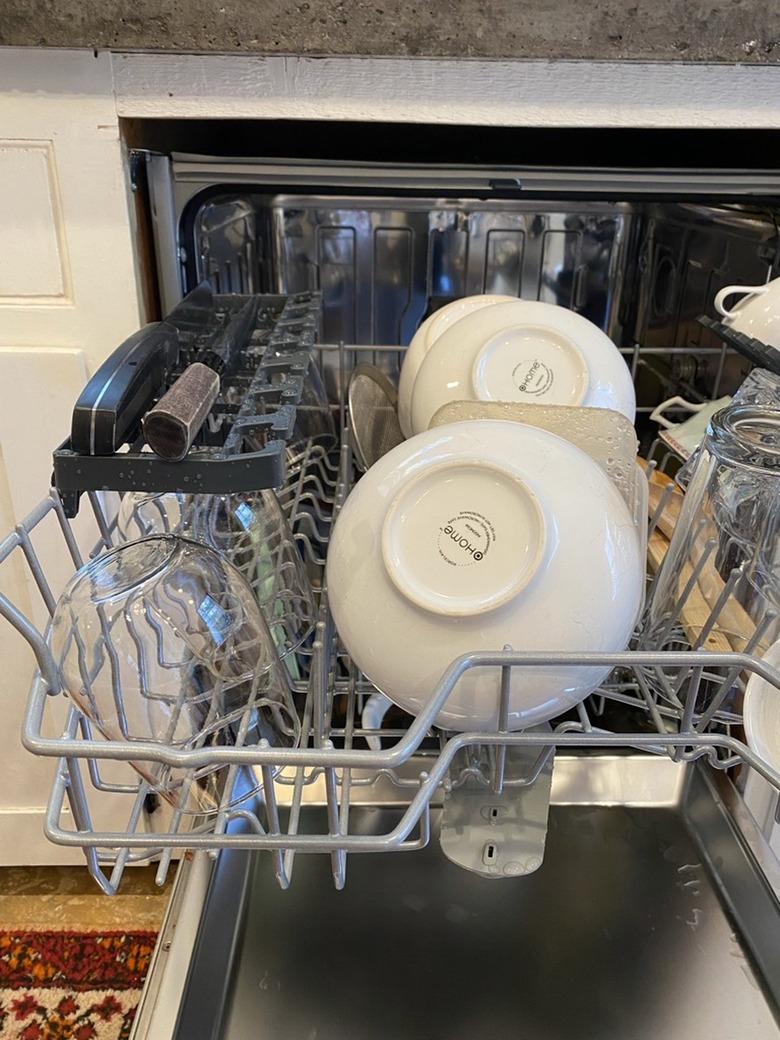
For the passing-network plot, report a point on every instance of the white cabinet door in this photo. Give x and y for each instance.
(68, 296)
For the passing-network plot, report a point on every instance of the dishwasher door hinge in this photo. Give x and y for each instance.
(137, 158)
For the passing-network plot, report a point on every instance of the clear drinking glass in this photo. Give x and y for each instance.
(314, 432)
(719, 583)
(251, 530)
(163, 640)
(145, 513)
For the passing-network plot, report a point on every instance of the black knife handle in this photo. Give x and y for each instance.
(116, 397)
(171, 426)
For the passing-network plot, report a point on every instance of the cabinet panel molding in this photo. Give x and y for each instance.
(34, 265)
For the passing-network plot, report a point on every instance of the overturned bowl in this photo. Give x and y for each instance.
(761, 712)
(422, 341)
(475, 536)
(525, 351)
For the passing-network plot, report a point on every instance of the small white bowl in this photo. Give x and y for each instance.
(536, 353)
(761, 712)
(422, 341)
(477, 535)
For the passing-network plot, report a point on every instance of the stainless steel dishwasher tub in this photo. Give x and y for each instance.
(654, 914)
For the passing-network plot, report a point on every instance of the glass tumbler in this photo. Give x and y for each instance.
(252, 532)
(162, 640)
(144, 513)
(314, 431)
(719, 583)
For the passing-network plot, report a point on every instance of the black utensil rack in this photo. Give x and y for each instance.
(241, 445)
(759, 353)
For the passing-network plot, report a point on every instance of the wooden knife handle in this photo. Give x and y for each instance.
(172, 425)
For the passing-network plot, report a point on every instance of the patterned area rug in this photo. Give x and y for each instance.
(71, 985)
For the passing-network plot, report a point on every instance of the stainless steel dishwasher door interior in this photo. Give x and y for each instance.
(644, 921)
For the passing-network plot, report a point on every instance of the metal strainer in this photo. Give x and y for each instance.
(373, 415)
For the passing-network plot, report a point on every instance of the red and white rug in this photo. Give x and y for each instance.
(71, 985)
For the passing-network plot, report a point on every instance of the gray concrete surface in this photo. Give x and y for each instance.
(746, 31)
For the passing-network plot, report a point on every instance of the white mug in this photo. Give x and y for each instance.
(684, 438)
(757, 315)
(732, 290)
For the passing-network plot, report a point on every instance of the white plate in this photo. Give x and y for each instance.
(522, 351)
(761, 712)
(474, 536)
(422, 341)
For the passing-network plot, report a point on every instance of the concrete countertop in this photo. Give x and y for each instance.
(712, 31)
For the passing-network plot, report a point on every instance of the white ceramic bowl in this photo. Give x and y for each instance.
(761, 712)
(477, 535)
(757, 314)
(537, 353)
(422, 341)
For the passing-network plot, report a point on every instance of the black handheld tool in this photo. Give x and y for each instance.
(173, 423)
(114, 400)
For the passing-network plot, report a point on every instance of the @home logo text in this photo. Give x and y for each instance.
(465, 538)
(532, 377)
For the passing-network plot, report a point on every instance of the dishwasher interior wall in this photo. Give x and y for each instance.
(642, 254)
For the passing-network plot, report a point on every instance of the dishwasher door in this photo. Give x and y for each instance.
(652, 916)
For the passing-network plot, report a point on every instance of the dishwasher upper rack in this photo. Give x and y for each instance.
(244, 441)
(337, 767)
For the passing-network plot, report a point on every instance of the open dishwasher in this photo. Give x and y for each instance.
(334, 902)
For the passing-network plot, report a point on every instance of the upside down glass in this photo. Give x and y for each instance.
(250, 529)
(719, 583)
(314, 431)
(162, 640)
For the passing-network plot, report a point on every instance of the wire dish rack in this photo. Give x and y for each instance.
(681, 704)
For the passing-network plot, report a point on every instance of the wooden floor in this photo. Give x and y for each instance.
(66, 898)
